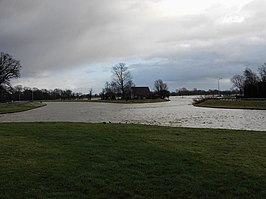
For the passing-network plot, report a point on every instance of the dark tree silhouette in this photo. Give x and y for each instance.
(262, 72)
(9, 68)
(161, 89)
(238, 82)
(254, 86)
(18, 90)
(122, 78)
(250, 77)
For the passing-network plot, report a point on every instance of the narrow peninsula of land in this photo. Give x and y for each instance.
(19, 106)
(232, 104)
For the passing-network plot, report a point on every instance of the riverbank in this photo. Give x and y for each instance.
(78, 160)
(19, 106)
(233, 104)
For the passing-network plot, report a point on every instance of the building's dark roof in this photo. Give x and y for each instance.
(141, 91)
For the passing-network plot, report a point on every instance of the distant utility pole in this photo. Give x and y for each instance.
(90, 94)
(219, 86)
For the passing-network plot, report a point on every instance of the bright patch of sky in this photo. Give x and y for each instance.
(194, 7)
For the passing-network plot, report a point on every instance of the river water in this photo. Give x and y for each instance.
(177, 112)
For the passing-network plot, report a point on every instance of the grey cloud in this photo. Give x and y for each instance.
(52, 36)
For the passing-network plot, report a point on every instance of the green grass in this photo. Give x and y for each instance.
(78, 160)
(234, 104)
(18, 106)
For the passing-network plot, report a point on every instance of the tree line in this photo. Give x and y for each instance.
(195, 91)
(250, 84)
(10, 68)
(119, 87)
(20, 93)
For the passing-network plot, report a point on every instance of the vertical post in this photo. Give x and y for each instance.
(219, 86)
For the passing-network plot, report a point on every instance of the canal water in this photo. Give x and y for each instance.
(177, 112)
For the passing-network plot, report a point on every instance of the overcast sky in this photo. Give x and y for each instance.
(187, 43)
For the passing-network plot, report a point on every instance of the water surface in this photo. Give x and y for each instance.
(177, 112)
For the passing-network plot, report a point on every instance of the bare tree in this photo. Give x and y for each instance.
(9, 68)
(18, 89)
(109, 91)
(262, 72)
(250, 77)
(122, 77)
(238, 82)
(159, 85)
(254, 86)
(161, 88)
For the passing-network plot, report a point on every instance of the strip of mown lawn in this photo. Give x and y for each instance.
(19, 106)
(78, 160)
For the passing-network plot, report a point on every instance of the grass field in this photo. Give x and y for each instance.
(77, 160)
(234, 104)
(18, 106)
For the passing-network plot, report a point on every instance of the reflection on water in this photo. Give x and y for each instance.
(177, 112)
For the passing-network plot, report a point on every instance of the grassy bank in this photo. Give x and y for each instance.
(234, 104)
(18, 106)
(76, 160)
